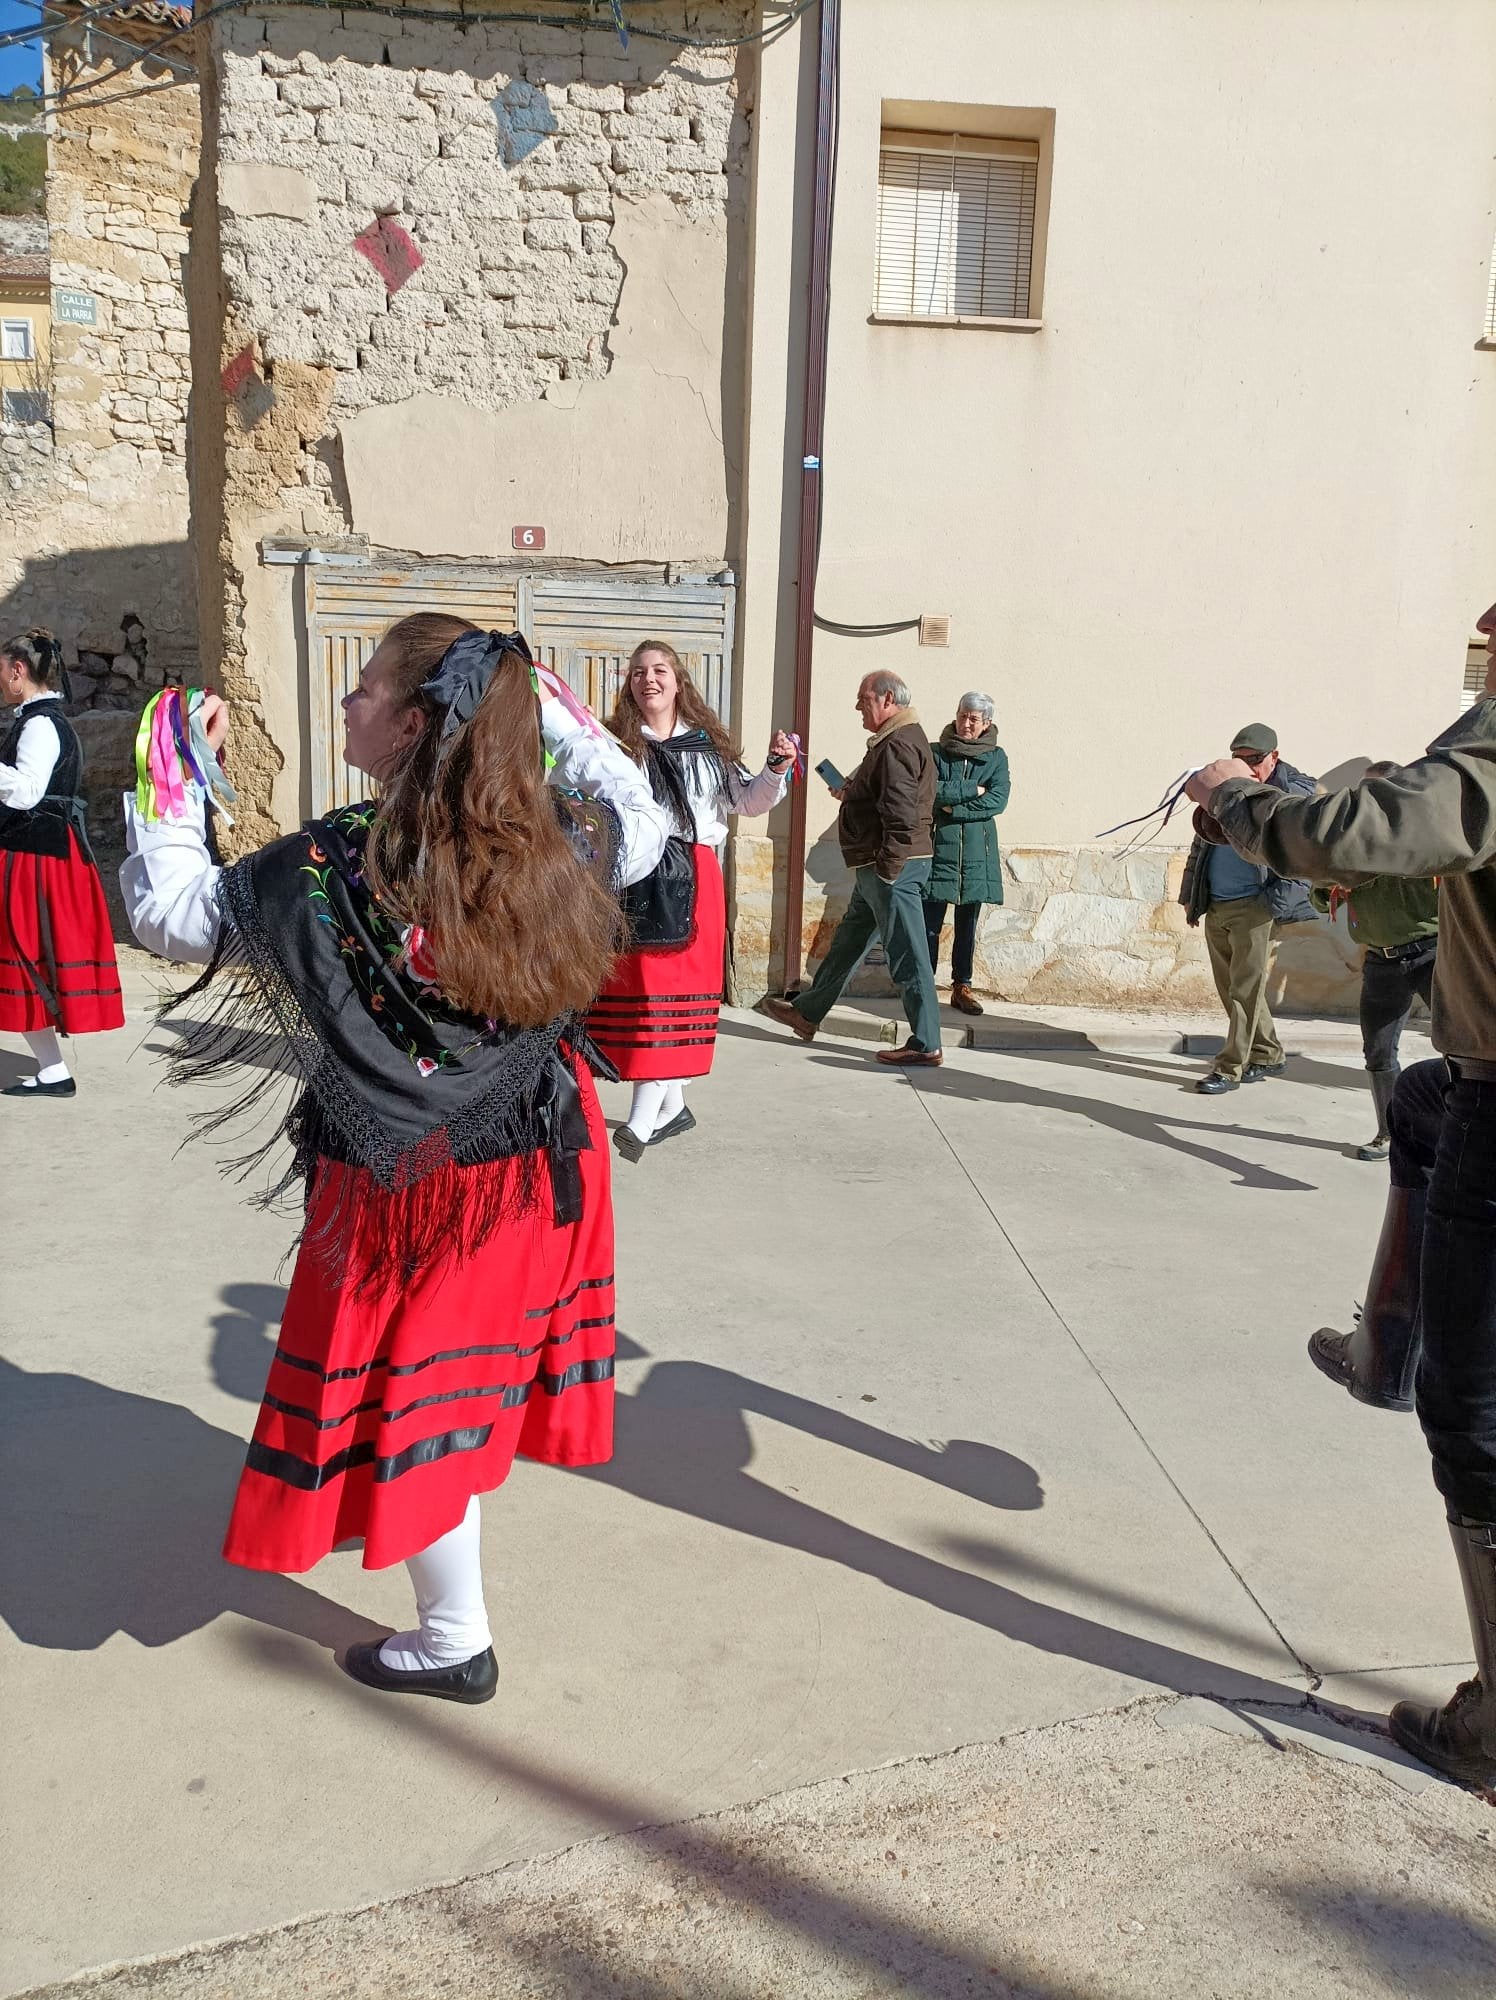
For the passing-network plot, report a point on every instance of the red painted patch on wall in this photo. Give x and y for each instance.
(239, 370)
(394, 255)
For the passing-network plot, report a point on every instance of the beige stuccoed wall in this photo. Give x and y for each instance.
(1246, 469)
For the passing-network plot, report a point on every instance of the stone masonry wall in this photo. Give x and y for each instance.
(94, 534)
(1079, 926)
(409, 210)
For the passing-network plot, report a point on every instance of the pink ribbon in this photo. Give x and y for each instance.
(553, 685)
(166, 764)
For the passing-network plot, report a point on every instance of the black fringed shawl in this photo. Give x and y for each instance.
(311, 981)
(664, 757)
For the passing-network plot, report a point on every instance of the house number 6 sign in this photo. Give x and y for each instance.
(529, 538)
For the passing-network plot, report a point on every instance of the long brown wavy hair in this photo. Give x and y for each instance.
(470, 847)
(627, 720)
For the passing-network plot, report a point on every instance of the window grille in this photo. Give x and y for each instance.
(955, 227)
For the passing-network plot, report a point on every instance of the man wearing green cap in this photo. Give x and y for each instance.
(1240, 903)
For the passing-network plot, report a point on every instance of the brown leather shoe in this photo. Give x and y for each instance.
(965, 1001)
(786, 1014)
(909, 1057)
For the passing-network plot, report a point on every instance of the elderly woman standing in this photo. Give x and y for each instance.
(971, 789)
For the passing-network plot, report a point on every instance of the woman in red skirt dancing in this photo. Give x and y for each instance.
(656, 1019)
(57, 966)
(421, 968)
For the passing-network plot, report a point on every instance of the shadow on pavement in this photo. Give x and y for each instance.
(716, 1867)
(1417, 1947)
(113, 1507)
(1157, 1128)
(123, 1495)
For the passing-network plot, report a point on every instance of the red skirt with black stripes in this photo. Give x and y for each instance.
(385, 1412)
(57, 963)
(657, 1015)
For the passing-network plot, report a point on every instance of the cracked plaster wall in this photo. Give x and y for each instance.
(563, 353)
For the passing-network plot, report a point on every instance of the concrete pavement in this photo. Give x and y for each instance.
(950, 1407)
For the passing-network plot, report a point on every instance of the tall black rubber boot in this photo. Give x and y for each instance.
(1460, 1738)
(1383, 1083)
(1378, 1362)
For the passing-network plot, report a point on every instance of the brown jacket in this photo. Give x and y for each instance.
(889, 802)
(1435, 817)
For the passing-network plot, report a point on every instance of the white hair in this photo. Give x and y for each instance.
(979, 704)
(889, 685)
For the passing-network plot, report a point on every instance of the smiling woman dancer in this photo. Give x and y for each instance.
(656, 1019)
(422, 966)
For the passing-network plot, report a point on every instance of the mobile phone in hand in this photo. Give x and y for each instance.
(827, 770)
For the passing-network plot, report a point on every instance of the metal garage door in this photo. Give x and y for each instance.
(581, 626)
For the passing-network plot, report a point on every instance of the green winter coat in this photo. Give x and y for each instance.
(967, 866)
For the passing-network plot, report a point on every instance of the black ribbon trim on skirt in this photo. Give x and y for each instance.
(308, 1477)
(586, 1285)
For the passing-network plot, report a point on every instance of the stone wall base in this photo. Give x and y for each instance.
(1079, 926)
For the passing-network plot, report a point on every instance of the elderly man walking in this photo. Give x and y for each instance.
(884, 831)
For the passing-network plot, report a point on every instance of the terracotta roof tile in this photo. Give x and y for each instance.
(30, 267)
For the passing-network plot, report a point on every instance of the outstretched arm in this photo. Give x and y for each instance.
(1435, 817)
(590, 761)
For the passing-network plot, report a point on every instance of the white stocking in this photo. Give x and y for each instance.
(448, 1580)
(675, 1102)
(44, 1045)
(644, 1112)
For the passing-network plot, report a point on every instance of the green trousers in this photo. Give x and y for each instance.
(1239, 938)
(894, 912)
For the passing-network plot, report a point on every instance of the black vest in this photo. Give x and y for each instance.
(43, 828)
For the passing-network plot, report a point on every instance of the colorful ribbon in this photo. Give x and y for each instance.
(174, 761)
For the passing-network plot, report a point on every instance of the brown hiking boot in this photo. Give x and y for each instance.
(965, 1001)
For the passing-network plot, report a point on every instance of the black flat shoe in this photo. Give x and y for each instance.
(65, 1087)
(1215, 1083)
(470, 1681)
(681, 1122)
(627, 1141)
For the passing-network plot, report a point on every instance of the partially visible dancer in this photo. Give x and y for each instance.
(422, 967)
(1434, 817)
(1396, 921)
(1240, 905)
(1378, 1362)
(656, 1019)
(58, 973)
(971, 789)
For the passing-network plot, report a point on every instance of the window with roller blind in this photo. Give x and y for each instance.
(956, 223)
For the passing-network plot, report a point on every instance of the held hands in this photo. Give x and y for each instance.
(1205, 780)
(214, 716)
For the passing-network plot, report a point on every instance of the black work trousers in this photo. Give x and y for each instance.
(1456, 1389)
(1390, 981)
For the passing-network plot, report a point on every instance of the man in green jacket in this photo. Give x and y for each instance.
(1434, 817)
(884, 831)
(1395, 919)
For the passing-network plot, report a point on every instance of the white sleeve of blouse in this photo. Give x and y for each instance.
(23, 783)
(755, 796)
(170, 885)
(599, 768)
